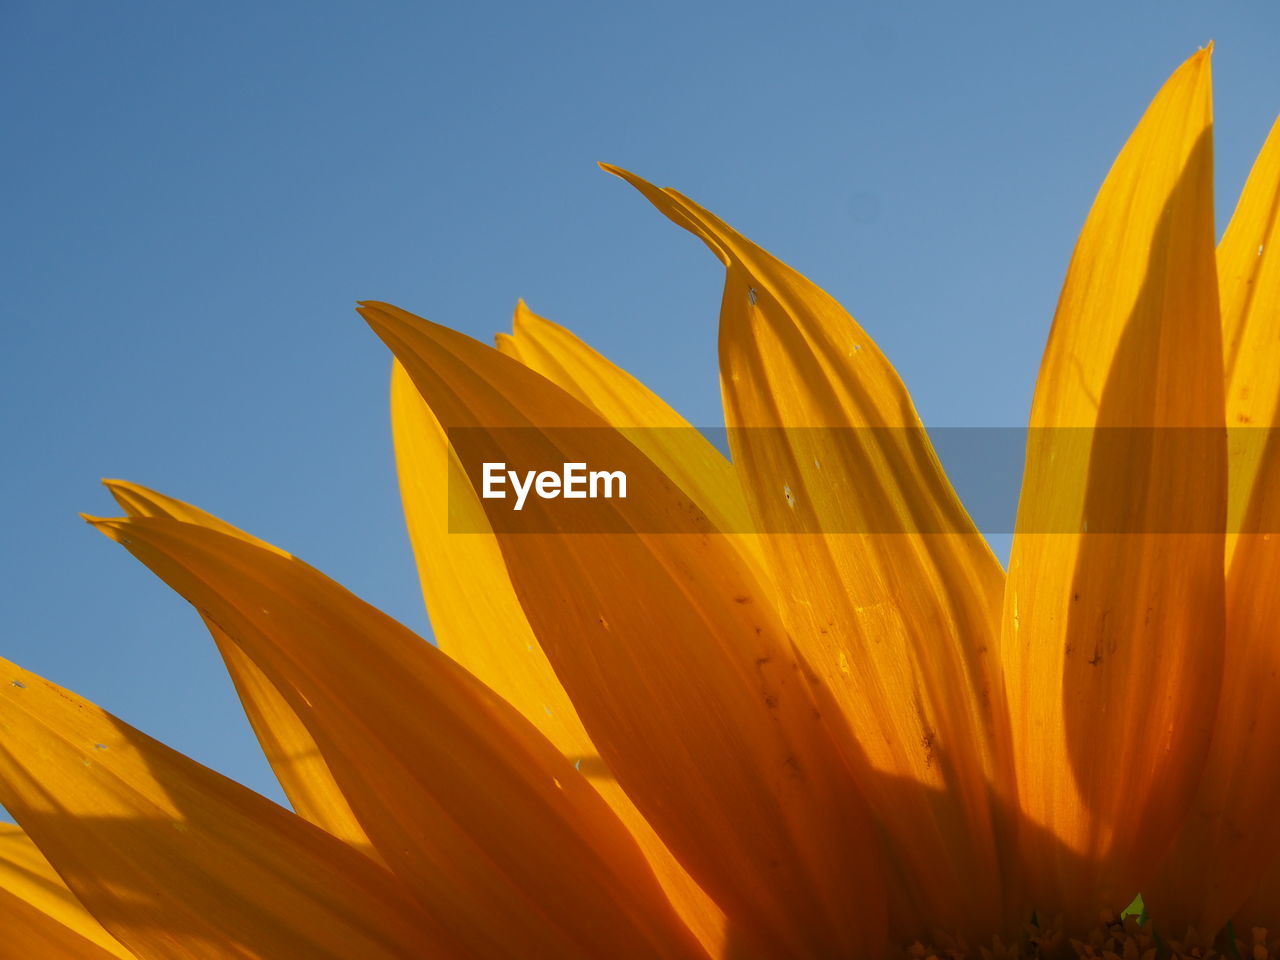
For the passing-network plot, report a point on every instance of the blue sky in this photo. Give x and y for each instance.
(198, 193)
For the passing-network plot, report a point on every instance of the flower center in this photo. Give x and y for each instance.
(1116, 937)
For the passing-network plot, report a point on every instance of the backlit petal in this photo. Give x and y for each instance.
(898, 625)
(665, 437)
(1249, 276)
(39, 916)
(1113, 640)
(492, 829)
(1262, 907)
(507, 345)
(1234, 833)
(477, 620)
(289, 748)
(681, 675)
(178, 862)
(475, 615)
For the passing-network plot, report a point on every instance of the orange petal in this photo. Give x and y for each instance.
(1262, 907)
(289, 748)
(1113, 640)
(177, 861)
(483, 819)
(1234, 834)
(680, 673)
(40, 917)
(898, 625)
(477, 620)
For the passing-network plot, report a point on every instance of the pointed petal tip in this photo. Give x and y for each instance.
(640, 183)
(113, 528)
(115, 485)
(524, 318)
(390, 311)
(109, 526)
(368, 308)
(1201, 60)
(519, 314)
(378, 315)
(1196, 74)
(130, 496)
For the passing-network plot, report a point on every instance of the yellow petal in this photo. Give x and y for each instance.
(477, 620)
(665, 437)
(475, 615)
(570, 364)
(681, 674)
(289, 748)
(507, 345)
(178, 862)
(675, 447)
(1249, 276)
(897, 625)
(483, 819)
(1234, 833)
(39, 916)
(1113, 640)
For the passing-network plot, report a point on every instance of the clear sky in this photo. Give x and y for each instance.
(196, 194)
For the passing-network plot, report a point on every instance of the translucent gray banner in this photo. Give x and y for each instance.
(865, 481)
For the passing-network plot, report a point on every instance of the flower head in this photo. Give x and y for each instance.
(780, 704)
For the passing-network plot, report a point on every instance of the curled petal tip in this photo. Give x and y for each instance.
(627, 175)
(132, 497)
(522, 317)
(388, 317)
(111, 527)
(366, 308)
(373, 314)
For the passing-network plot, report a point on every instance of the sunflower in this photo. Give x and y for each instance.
(786, 704)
